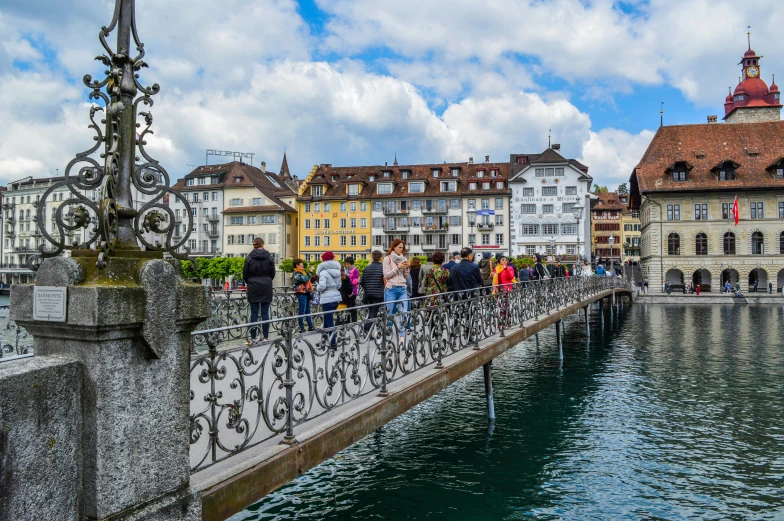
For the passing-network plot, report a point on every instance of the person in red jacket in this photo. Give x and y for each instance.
(506, 275)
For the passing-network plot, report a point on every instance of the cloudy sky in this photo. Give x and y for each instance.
(353, 82)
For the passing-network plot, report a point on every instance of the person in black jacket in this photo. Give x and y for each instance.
(466, 275)
(258, 274)
(540, 272)
(373, 284)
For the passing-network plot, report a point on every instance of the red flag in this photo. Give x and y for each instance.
(736, 211)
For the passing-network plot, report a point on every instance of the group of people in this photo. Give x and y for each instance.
(391, 279)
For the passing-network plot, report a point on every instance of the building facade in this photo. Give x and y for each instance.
(546, 188)
(607, 224)
(686, 184)
(203, 189)
(630, 232)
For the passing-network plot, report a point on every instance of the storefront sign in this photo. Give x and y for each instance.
(49, 303)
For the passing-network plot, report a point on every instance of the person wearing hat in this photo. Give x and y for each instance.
(328, 288)
(486, 267)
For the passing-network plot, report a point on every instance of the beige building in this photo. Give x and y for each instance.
(258, 203)
(630, 232)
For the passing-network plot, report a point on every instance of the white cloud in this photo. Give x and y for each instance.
(612, 154)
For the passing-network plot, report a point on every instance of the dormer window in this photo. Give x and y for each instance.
(739, 97)
(779, 173)
(384, 188)
(679, 174)
(404, 174)
(480, 173)
(435, 172)
(386, 173)
(238, 179)
(372, 178)
(334, 178)
(416, 187)
(353, 189)
(455, 172)
(727, 174)
(189, 182)
(317, 190)
(494, 173)
(522, 160)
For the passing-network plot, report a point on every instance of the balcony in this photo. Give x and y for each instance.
(435, 211)
(395, 211)
(10, 233)
(485, 227)
(213, 234)
(435, 228)
(24, 248)
(213, 218)
(397, 228)
(177, 219)
(10, 219)
(9, 206)
(429, 247)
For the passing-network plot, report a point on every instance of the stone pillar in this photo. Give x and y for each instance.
(129, 326)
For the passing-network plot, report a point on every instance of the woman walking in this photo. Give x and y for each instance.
(396, 272)
(303, 288)
(328, 288)
(258, 273)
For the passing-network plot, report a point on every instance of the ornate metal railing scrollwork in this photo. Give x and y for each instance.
(110, 221)
(246, 391)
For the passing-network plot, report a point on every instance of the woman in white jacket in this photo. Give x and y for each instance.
(328, 288)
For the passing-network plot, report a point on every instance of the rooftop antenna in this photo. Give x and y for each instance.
(548, 137)
(661, 114)
(748, 35)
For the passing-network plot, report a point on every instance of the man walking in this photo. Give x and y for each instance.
(466, 275)
(373, 283)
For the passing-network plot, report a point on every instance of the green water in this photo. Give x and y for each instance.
(668, 412)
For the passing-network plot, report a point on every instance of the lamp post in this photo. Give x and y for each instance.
(471, 223)
(577, 211)
(611, 241)
(552, 245)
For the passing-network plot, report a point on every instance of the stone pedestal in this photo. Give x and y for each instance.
(129, 326)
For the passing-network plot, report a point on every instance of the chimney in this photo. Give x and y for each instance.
(713, 119)
(470, 160)
(386, 164)
(487, 159)
(263, 166)
(556, 146)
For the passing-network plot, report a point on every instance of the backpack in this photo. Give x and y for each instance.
(486, 269)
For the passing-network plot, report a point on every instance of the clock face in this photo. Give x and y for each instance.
(752, 72)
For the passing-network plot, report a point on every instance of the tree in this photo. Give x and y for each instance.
(623, 188)
(287, 266)
(600, 189)
(361, 264)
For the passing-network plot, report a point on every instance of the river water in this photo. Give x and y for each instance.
(668, 412)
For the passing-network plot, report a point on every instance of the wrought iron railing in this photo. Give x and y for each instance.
(14, 340)
(245, 392)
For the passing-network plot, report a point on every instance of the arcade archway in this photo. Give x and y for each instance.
(702, 278)
(729, 275)
(760, 276)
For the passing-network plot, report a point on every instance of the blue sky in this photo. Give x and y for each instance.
(349, 82)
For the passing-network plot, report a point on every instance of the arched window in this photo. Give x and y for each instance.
(702, 244)
(673, 244)
(729, 243)
(757, 243)
(781, 242)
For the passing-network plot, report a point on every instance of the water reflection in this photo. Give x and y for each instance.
(665, 412)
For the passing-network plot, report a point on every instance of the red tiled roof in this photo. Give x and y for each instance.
(607, 201)
(756, 147)
(336, 189)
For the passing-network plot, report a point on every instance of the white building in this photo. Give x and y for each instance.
(203, 189)
(546, 188)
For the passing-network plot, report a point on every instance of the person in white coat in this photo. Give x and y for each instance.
(328, 288)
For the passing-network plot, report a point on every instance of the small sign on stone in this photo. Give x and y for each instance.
(49, 303)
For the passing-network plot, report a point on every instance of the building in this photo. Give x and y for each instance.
(334, 212)
(607, 212)
(630, 232)
(259, 203)
(546, 189)
(686, 184)
(203, 189)
(431, 207)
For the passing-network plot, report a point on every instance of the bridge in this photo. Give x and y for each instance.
(263, 414)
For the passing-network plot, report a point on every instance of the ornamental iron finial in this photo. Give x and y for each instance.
(114, 223)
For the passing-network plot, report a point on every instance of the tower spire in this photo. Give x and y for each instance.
(748, 36)
(284, 167)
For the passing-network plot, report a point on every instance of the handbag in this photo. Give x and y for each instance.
(315, 298)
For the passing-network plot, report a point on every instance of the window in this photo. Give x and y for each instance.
(383, 188)
(343, 223)
(701, 212)
(547, 208)
(372, 178)
(756, 211)
(240, 239)
(326, 224)
(455, 238)
(472, 185)
(363, 222)
(363, 206)
(480, 173)
(317, 224)
(416, 188)
(472, 203)
(781, 210)
(485, 204)
(493, 172)
(448, 186)
(317, 241)
(499, 220)
(727, 175)
(725, 210)
(435, 172)
(353, 222)
(235, 202)
(385, 173)
(486, 185)
(549, 190)
(307, 207)
(499, 239)
(326, 240)
(455, 204)
(404, 174)
(569, 229)
(528, 192)
(549, 229)
(528, 208)
(377, 206)
(673, 244)
(236, 220)
(779, 173)
(251, 219)
(701, 244)
(342, 240)
(571, 190)
(455, 172)
(673, 212)
(307, 224)
(678, 175)
(757, 243)
(729, 243)
(568, 207)
(499, 185)
(530, 229)
(522, 160)
(530, 250)
(204, 197)
(363, 239)
(353, 240)
(229, 239)
(189, 182)
(540, 172)
(485, 239)
(353, 189)
(377, 240)
(256, 201)
(353, 207)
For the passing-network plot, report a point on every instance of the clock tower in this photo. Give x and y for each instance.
(752, 100)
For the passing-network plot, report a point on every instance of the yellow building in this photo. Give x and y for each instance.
(334, 213)
(630, 232)
(262, 204)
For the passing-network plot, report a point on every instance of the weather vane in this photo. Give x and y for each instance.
(113, 223)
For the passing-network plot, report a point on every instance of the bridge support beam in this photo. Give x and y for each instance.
(559, 338)
(537, 341)
(587, 325)
(489, 390)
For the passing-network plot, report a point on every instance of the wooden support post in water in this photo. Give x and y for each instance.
(489, 390)
(587, 325)
(558, 338)
(537, 340)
